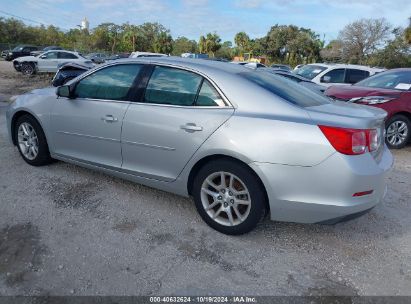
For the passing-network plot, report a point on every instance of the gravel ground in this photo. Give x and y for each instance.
(66, 230)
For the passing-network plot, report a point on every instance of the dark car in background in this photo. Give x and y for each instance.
(47, 48)
(67, 72)
(97, 57)
(390, 91)
(118, 56)
(299, 79)
(283, 67)
(4, 53)
(20, 51)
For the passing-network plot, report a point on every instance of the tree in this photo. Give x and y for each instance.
(225, 51)
(184, 45)
(202, 45)
(396, 54)
(407, 33)
(163, 43)
(212, 43)
(363, 37)
(333, 51)
(242, 40)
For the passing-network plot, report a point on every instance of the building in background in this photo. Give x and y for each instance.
(85, 24)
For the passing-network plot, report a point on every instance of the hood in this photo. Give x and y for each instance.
(348, 115)
(26, 58)
(348, 92)
(45, 91)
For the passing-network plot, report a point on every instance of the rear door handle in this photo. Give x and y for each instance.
(109, 118)
(191, 127)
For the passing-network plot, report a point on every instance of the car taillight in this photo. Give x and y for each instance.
(351, 141)
(373, 142)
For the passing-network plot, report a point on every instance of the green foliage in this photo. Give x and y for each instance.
(366, 41)
(291, 45)
(163, 43)
(242, 40)
(184, 45)
(396, 54)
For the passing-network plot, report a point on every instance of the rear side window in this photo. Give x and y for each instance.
(209, 96)
(64, 55)
(111, 83)
(172, 86)
(353, 76)
(334, 76)
(286, 89)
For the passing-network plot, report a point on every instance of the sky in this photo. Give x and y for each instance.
(192, 18)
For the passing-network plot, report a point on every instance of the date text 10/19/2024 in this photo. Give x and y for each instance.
(234, 299)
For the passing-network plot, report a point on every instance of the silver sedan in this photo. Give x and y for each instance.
(242, 143)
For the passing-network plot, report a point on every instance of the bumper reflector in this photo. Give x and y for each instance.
(364, 193)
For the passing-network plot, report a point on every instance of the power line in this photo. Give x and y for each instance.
(19, 17)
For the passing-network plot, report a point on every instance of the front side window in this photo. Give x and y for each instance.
(111, 83)
(353, 75)
(49, 55)
(64, 55)
(334, 76)
(172, 86)
(209, 96)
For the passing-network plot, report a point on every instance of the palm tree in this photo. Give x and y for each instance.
(242, 40)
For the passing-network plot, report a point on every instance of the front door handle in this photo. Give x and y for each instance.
(191, 127)
(109, 118)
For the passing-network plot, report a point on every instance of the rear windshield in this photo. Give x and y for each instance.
(286, 89)
(310, 71)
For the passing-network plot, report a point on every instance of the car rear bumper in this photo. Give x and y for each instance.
(325, 192)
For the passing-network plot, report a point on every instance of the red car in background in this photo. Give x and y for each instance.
(390, 91)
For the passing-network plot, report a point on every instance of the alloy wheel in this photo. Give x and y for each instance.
(225, 198)
(397, 132)
(28, 141)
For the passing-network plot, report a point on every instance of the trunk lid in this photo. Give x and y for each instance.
(353, 116)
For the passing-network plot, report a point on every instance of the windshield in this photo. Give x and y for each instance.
(398, 80)
(18, 48)
(310, 71)
(286, 89)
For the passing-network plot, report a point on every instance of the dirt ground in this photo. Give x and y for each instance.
(65, 230)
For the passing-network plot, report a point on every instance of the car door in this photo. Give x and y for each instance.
(355, 75)
(88, 127)
(178, 111)
(47, 61)
(333, 77)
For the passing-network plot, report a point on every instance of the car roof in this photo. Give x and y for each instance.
(62, 51)
(200, 65)
(346, 66)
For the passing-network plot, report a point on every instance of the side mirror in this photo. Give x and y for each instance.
(64, 91)
(326, 79)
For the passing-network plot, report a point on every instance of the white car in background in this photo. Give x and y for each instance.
(48, 62)
(336, 74)
(146, 54)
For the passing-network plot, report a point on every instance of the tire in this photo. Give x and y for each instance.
(26, 143)
(398, 131)
(28, 68)
(221, 201)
